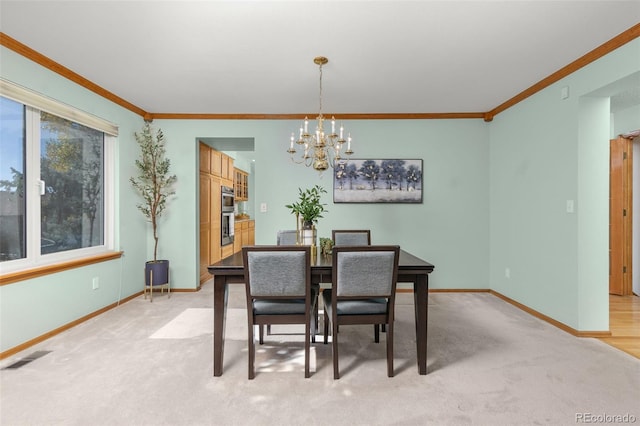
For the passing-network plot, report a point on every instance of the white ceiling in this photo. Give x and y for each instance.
(256, 57)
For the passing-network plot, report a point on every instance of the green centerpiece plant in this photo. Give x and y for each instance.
(308, 209)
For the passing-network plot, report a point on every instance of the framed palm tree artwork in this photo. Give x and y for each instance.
(378, 181)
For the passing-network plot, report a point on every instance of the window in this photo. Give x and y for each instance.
(56, 199)
(12, 171)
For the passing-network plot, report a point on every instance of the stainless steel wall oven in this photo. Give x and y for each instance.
(227, 225)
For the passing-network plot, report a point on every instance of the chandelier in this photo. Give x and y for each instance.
(320, 150)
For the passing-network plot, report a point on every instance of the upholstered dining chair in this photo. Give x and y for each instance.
(354, 237)
(363, 292)
(278, 286)
(289, 237)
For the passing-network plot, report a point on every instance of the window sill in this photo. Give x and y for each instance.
(58, 267)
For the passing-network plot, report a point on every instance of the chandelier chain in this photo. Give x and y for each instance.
(321, 90)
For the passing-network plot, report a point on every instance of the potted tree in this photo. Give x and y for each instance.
(155, 185)
(308, 209)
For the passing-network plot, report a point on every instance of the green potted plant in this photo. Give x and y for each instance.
(326, 246)
(308, 209)
(155, 185)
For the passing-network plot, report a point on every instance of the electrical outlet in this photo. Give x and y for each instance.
(96, 283)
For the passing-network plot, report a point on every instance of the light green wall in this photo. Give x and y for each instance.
(533, 172)
(495, 197)
(450, 228)
(31, 308)
(543, 152)
(626, 121)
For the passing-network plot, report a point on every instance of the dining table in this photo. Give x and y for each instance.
(230, 270)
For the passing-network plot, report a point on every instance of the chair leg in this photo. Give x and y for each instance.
(390, 350)
(334, 338)
(307, 350)
(326, 327)
(376, 333)
(252, 353)
(268, 329)
(261, 333)
(314, 328)
(384, 328)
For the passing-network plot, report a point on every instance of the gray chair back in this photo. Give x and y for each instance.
(276, 272)
(286, 238)
(365, 272)
(356, 237)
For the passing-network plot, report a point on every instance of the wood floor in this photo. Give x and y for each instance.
(624, 324)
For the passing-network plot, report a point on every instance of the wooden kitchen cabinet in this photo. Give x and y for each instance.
(205, 158)
(244, 234)
(205, 224)
(209, 223)
(227, 250)
(216, 162)
(210, 210)
(252, 233)
(227, 171)
(237, 238)
(217, 170)
(241, 185)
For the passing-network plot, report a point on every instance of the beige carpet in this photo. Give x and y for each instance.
(151, 364)
(192, 322)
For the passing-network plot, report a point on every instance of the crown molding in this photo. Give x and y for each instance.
(600, 51)
(27, 52)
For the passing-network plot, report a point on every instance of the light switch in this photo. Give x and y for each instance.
(263, 207)
(569, 206)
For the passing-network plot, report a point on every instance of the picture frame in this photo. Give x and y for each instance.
(378, 181)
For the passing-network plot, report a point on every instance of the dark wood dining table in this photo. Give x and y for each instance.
(230, 270)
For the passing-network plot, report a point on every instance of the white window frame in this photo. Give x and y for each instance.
(34, 104)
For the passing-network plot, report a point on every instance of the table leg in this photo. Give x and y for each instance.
(220, 295)
(420, 296)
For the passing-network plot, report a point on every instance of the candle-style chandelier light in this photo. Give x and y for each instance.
(320, 150)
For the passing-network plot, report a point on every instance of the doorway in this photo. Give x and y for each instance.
(624, 304)
(620, 216)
